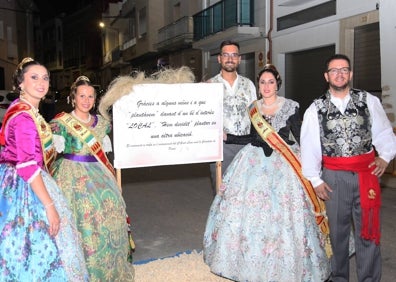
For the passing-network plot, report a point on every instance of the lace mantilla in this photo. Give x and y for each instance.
(288, 109)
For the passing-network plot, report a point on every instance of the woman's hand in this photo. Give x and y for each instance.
(53, 219)
(40, 190)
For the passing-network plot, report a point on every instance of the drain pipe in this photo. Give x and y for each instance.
(269, 38)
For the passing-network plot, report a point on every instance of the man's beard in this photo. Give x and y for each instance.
(229, 67)
(339, 88)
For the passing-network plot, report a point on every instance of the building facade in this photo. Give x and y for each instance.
(245, 22)
(18, 20)
(295, 35)
(306, 32)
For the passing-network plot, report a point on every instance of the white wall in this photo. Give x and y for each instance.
(388, 56)
(304, 39)
(326, 32)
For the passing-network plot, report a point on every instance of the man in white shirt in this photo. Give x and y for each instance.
(338, 135)
(239, 93)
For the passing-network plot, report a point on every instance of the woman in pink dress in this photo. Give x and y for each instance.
(38, 237)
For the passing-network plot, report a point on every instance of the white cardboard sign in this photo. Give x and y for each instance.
(167, 124)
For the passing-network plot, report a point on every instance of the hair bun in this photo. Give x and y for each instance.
(270, 66)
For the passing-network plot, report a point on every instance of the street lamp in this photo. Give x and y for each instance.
(111, 40)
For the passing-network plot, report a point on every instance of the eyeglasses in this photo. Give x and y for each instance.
(335, 71)
(230, 55)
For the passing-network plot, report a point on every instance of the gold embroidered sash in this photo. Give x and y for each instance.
(42, 126)
(269, 135)
(86, 136)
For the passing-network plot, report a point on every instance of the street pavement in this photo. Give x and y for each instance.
(169, 205)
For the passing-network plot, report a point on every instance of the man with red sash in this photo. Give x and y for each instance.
(339, 132)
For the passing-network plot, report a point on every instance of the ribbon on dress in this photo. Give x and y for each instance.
(272, 138)
(85, 135)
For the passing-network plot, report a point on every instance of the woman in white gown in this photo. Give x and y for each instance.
(261, 226)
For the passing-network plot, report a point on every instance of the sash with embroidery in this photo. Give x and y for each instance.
(271, 137)
(86, 136)
(43, 130)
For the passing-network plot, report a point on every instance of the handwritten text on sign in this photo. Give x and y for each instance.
(165, 124)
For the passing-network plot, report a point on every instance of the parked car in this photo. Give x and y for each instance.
(6, 98)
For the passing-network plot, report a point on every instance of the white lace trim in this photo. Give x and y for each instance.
(288, 109)
(31, 178)
(22, 165)
(107, 144)
(59, 143)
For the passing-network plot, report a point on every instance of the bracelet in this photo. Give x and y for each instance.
(48, 205)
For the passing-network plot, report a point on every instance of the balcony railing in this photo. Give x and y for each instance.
(128, 44)
(223, 15)
(176, 34)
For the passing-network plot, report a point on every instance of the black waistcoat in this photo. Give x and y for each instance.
(348, 134)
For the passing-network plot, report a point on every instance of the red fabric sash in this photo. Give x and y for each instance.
(18, 107)
(43, 130)
(369, 188)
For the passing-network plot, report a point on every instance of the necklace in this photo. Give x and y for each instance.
(270, 105)
(84, 121)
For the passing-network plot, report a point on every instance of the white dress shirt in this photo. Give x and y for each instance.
(383, 137)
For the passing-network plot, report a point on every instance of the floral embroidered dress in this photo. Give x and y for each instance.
(261, 226)
(96, 201)
(27, 251)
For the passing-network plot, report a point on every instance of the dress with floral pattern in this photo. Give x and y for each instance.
(96, 203)
(261, 226)
(27, 251)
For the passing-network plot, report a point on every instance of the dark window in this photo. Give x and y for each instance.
(367, 59)
(304, 75)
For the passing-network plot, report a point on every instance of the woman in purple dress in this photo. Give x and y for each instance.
(38, 237)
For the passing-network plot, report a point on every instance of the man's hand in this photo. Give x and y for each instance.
(380, 166)
(322, 191)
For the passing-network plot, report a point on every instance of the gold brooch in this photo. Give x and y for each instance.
(371, 194)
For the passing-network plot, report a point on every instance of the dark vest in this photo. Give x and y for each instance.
(348, 134)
